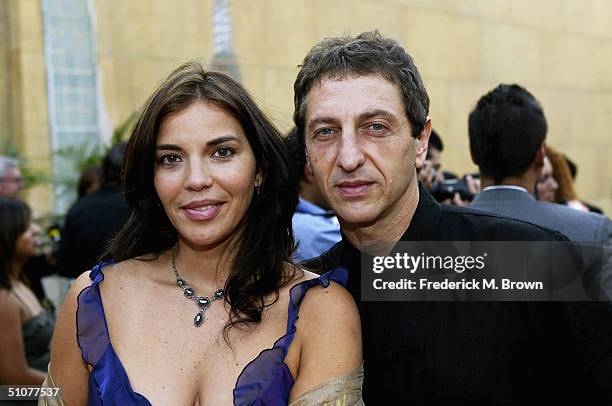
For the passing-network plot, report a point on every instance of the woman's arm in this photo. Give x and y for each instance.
(14, 369)
(328, 336)
(67, 367)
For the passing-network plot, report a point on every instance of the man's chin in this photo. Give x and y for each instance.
(353, 218)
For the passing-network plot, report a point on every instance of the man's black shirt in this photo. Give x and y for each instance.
(478, 353)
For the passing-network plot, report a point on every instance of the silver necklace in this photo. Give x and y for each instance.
(203, 302)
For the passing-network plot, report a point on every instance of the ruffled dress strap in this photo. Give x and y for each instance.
(108, 381)
(267, 380)
(296, 295)
(92, 330)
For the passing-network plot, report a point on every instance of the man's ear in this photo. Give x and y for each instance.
(308, 173)
(422, 142)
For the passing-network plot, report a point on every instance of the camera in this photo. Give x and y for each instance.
(446, 189)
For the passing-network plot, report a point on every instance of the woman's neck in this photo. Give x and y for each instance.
(16, 269)
(206, 268)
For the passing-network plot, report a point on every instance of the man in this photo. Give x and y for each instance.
(362, 111)
(94, 219)
(315, 226)
(11, 182)
(507, 130)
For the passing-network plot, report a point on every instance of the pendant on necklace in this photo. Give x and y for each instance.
(198, 320)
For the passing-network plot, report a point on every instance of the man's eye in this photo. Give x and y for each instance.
(325, 132)
(223, 153)
(169, 159)
(376, 127)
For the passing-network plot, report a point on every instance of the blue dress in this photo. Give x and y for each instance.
(266, 380)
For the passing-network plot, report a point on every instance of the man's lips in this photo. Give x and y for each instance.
(202, 210)
(354, 188)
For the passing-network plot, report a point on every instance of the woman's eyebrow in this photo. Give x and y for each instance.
(170, 147)
(215, 141)
(222, 139)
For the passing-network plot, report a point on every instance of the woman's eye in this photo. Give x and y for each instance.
(223, 153)
(169, 159)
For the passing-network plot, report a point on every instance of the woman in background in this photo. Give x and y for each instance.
(555, 184)
(26, 328)
(200, 303)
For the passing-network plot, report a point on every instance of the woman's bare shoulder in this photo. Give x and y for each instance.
(328, 334)
(132, 270)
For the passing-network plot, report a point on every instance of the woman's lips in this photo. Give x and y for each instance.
(205, 212)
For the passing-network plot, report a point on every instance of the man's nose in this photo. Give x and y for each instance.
(350, 153)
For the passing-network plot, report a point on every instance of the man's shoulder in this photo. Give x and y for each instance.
(462, 223)
(567, 213)
(575, 224)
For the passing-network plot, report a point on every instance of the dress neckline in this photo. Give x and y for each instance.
(282, 344)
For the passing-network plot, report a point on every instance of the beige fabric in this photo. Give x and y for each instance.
(50, 400)
(342, 391)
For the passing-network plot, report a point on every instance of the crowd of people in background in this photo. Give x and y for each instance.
(520, 176)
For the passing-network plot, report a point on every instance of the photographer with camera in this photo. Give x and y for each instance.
(445, 187)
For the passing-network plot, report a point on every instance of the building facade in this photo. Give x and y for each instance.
(72, 70)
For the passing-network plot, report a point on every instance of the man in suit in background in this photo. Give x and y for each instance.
(94, 219)
(507, 130)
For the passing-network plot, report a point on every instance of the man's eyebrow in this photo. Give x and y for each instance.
(322, 120)
(378, 113)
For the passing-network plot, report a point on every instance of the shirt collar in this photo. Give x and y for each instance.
(493, 187)
(304, 206)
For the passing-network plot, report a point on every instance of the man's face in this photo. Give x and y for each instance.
(11, 184)
(360, 147)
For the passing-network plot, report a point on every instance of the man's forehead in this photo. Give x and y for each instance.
(354, 95)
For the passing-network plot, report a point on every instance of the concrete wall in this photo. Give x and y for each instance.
(561, 50)
(24, 115)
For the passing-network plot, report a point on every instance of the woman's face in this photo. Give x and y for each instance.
(205, 173)
(547, 185)
(27, 243)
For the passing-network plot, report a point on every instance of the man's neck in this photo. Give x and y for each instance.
(390, 226)
(527, 181)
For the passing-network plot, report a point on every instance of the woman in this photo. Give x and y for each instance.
(26, 327)
(555, 184)
(201, 304)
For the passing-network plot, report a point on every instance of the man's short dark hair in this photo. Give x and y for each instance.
(368, 53)
(506, 129)
(298, 154)
(434, 141)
